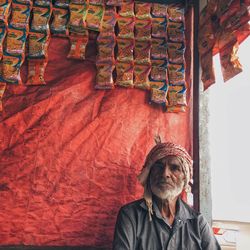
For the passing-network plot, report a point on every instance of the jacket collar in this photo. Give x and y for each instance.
(183, 211)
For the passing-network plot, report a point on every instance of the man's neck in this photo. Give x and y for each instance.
(167, 208)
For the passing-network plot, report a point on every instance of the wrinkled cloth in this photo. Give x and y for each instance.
(134, 231)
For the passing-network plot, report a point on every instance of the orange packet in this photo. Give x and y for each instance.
(59, 22)
(94, 16)
(176, 95)
(142, 52)
(142, 10)
(124, 72)
(143, 29)
(109, 20)
(141, 76)
(126, 27)
(127, 9)
(5, 11)
(176, 12)
(158, 96)
(125, 50)
(78, 46)
(104, 77)
(2, 90)
(159, 10)
(36, 71)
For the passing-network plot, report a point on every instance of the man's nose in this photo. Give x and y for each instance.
(166, 171)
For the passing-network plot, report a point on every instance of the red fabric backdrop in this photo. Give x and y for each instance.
(70, 154)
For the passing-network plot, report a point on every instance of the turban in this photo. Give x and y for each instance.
(159, 151)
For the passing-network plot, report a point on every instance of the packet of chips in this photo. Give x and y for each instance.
(126, 27)
(78, 46)
(20, 16)
(159, 48)
(127, 10)
(40, 20)
(109, 20)
(159, 10)
(176, 52)
(175, 31)
(78, 13)
(176, 13)
(11, 68)
(177, 95)
(207, 76)
(59, 22)
(142, 52)
(2, 36)
(229, 60)
(124, 74)
(158, 91)
(26, 2)
(104, 76)
(175, 109)
(125, 50)
(159, 70)
(38, 45)
(143, 29)
(141, 76)
(94, 16)
(4, 11)
(106, 47)
(159, 27)
(142, 10)
(176, 73)
(62, 4)
(114, 2)
(15, 41)
(36, 71)
(2, 90)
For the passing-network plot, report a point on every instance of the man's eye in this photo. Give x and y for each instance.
(175, 167)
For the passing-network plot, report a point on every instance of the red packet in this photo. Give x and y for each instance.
(36, 71)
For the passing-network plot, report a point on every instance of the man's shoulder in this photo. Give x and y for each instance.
(134, 205)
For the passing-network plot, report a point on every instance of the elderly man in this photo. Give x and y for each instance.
(161, 220)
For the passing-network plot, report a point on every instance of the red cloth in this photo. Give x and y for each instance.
(70, 154)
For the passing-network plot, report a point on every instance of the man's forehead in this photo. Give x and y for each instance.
(169, 159)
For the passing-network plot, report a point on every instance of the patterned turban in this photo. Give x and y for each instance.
(159, 151)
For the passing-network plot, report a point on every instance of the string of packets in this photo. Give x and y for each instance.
(140, 45)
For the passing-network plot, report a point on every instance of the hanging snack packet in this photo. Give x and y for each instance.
(15, 41)
(11, 68)
(229, 60)
(176, 13)
(59, 22)
(143, 29)
(176, 52)
(78, 46)
(141, 76)
(94, 17)
(127, 10)
(177, 95)
(176, 73)
(109, 20)
(20, 16)
(176, 32)
(114, 2)
(36, 71)
(77, 19)
(38, 45)
(158, 91)
(159, 48)
(175, 109)
(104, 76)
(142, 52)
(126, 27)
(5, 11)
(124, 72)
(159, 27)
(62, 4)
(159, 10)
(106, 47)
(2, 89)
(40, 20)
(159, 70)
(2, 36)
(207, 76)
(125, 50)
(142, 10)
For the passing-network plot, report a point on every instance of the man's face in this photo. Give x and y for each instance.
(167, 178)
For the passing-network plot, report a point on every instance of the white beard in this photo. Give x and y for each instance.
(169, 194)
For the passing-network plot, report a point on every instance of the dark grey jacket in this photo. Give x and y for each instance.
(134, 231)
